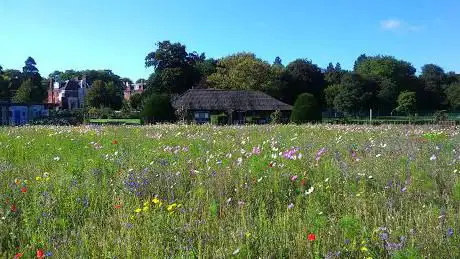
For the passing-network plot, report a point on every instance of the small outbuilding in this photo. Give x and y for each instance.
(235, 106)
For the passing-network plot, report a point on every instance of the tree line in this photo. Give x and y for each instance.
(383, 83)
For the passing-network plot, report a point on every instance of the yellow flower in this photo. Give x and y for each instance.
(171, 207)
(364, 249)
(38, 178)
(146, 208)
(137, 210)
(146, 203)
(17, 181)
(248, 234)
(156, 200)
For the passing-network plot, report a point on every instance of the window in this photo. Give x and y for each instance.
(201, 115)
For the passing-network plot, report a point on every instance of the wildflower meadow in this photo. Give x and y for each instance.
(274, 191)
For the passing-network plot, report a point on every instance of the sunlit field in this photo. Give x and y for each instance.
(180, 191)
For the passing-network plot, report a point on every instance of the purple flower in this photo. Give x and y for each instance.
(256, 150)
(293, 178)
(290, 206)
(383, 236)
(450, 232)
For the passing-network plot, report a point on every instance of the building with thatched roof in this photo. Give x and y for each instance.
(238, 106)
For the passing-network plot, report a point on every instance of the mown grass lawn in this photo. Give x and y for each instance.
(161, 191)
(116, 121)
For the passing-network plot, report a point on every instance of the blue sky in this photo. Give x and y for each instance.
(117, 35)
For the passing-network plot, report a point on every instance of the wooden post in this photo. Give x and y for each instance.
(370, 116)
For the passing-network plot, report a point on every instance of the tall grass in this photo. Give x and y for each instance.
(312, 191)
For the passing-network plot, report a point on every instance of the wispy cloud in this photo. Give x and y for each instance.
(398, 25)
(390, 24)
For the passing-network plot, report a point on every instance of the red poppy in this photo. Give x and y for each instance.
(311, 237)
(302, 182)
(117, 206)
(13, 208)
(114, 141)
(270, 164)
(23, 189)
(18, 255)
(40, 253)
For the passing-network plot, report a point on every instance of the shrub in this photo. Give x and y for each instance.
(275, 117)
(158, 108)
(219, 119)
(306, 109)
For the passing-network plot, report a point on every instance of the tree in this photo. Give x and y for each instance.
(140, 80)
(157, 108)
(391, 75)
(330, 93)
(302, 76)
(135, 101)
(30, 66)
(333, 75)
(453, 95)
(278, 62)
(434, 80)
(24, 93)
(355, 94)
(105, 95)
(126, 80)
(4, 88)
(243, 71)
(407, 102)
(1, 70)
(175, 70)
(306, 109)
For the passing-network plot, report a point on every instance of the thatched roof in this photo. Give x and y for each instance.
(223, 100)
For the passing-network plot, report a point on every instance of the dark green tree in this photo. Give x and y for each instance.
(391, 75)
(243, 71)
(278, 62)
(330, 93)
(306, 109)
(407, 102)
(302, 76)
(333, 75)
(453, 95)
(140, 80)
(157, 108)
(105, 95)
(175, 70)
(135, 101)
(355, 94)
(434, 82)
(24, 93)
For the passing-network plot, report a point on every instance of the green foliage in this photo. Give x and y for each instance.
(306, 109)
(302, 76)
(157, 108)
(407, 253)
(440, 116)
(175, 69)
(218, 119)
(243, 71)
(453, 95)
(135, 101)
(354, 94)
(392, 76)
(275, 117)
(109, 95)
(350, 227)
(330, 93)
(29, 92)
(407, 102)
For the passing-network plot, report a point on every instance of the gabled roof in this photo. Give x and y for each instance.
(222, 100)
